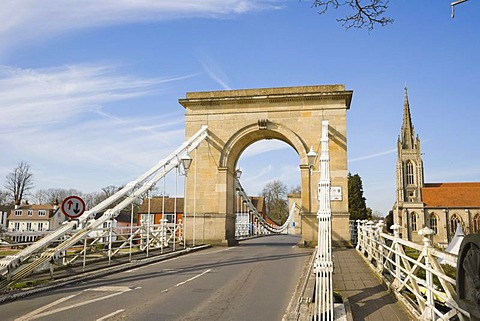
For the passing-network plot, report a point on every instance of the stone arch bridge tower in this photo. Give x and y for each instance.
(237, 119)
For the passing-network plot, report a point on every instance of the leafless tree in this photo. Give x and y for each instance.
(276, 201)
(361, 14)
(19, 181)
(43, 196)
(297, 189)
(4, 197)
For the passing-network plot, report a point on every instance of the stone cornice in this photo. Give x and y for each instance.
(268, 96)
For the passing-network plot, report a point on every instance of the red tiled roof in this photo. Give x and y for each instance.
(156, 204)
(451, 194)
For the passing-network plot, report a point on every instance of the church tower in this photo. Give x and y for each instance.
(410, 178)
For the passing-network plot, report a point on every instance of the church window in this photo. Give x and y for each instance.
(414, 221)
(476, 224)
(410, 176)
(433, 222)
(453, 223)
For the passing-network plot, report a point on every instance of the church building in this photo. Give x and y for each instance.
(439, 206)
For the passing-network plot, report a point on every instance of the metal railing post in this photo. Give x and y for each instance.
(396, 234)
(429, 312)
(378, 241)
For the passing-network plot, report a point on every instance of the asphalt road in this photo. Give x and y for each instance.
(252, 281)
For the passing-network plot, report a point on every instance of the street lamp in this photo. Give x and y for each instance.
(186, 161)
(311, 156)
(238, 173)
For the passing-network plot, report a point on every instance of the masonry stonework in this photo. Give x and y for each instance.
(238, 118)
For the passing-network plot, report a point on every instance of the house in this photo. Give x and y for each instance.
(153, 210)
(439, 206)
(121, 225)
(28, 222)
(245, 220)
(4, 211)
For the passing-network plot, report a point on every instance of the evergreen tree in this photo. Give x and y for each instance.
(356, 201)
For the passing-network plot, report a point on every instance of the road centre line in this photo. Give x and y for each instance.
(176, 258)
(110, 315)
(192, 278)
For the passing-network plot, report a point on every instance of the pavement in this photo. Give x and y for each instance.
(366, 296)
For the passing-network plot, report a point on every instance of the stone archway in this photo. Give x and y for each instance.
(238, 118)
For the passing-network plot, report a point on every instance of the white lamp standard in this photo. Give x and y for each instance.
(311, 157)
(185, 161)
(238, 173)
(323, 262)
(238, 222)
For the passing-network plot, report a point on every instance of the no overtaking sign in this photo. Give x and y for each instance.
(73, 206)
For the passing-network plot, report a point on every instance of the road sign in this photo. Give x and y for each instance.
(73, 206)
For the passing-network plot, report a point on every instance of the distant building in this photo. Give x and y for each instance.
(172, 210)
(27, 223)
(123, 224)
(4, 211)
(159, 207)
(296, 224)
(245, 220)
(440, 206)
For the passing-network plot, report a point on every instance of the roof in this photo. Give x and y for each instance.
(156, 205)
(257, 201)
(451, 194)
(123, 216)
(49, 208)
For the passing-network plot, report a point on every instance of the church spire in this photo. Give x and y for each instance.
(408, 133)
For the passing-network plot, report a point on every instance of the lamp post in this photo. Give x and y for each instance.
(185, 161)
(311, 157)
(238, 222)
(238, 173)
(323, 261)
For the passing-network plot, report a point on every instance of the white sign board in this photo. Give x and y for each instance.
(336, 193)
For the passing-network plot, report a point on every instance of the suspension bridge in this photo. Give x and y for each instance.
(219, 126)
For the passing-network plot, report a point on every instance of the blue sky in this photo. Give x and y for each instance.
(89, 89)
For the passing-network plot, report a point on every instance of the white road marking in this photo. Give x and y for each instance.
(192, 278)
(36, 314)
(110, 315)
(30, 315)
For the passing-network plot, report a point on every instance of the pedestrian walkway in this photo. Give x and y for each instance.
(367, 296)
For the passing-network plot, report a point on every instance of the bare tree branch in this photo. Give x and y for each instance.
(368, 14)
(19, 181)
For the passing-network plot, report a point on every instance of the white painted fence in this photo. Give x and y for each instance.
(409, 270)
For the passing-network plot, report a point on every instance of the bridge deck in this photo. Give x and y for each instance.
(367, 296)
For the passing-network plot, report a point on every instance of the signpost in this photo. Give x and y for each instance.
(73, 206)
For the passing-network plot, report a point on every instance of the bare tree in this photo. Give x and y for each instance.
(43, 196)
(4, 196)
(276, 201)
(366, 14)
(19, 181)
(297, 189)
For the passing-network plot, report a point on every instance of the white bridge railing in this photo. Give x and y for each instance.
(262, 226)
(415, 273)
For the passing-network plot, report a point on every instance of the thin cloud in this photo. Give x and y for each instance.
(264, 146)
(214, 71)
(361, 158)
(47, 96)
(36, 20)
(57, 116)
